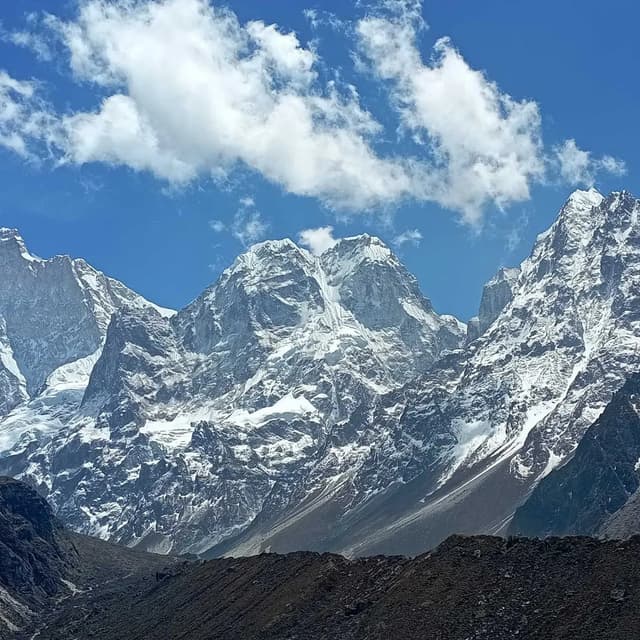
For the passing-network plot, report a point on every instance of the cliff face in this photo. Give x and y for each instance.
(43, 566)
(36, 556)
(585, 495)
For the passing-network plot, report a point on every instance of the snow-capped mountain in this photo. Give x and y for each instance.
(188, 424)
(54, 316)
(596, 491)
(321, 403)
(52, 312)
(458, 448)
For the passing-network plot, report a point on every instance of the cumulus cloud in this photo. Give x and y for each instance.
(410, 236)
(217, 226)
(187, 90)
(245, 95)
(318, 240)
(581, 168)
(486, 145)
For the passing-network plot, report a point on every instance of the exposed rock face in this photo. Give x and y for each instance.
(190, 424)
(321, 403)
(54, 311)
(581, 496)
(43, 566)
(13, 388)
(496, 295)
(625, 522)
(35, 555)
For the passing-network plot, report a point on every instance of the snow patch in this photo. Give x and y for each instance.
(289, 407)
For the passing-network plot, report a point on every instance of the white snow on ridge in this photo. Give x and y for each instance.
(288, 407)
(72, 376)
(8, 362)
(173, 434)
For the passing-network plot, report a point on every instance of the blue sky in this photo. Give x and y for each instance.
(157, 220)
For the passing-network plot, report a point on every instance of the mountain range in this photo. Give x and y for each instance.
(318, 402)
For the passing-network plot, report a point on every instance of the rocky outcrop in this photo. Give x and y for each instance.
(53, 311)
(43, 566)
(496, 295)
(35, 554)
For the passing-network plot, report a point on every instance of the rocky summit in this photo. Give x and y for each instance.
(314, 402)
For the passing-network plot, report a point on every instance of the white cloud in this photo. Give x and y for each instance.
(32, 41)
(283, 52)
(14, 98)
(189, 91)
(612, 165)
(120, 134)
(24, 119)
(319, 18)
(410, 236)
(515, 234)
(486, 145)
(318, 240)
(249, 226)
(580, 167)
(31, 37)
(244, 95)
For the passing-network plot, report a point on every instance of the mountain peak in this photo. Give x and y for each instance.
(273, 246)
(356, 249)
(7, 233)
(280, 254)
(585, 199)
(11, 242)
(362, 240)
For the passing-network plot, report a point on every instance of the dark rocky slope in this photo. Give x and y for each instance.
(481, 588)
(43, 566)
(604, 473)
(469, 588)
(35, 554)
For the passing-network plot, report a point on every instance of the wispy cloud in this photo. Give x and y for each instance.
(579, 167)
(410, 236)
(515, 234)
(247, 225)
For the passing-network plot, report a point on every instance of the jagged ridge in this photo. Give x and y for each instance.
(320, 402)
